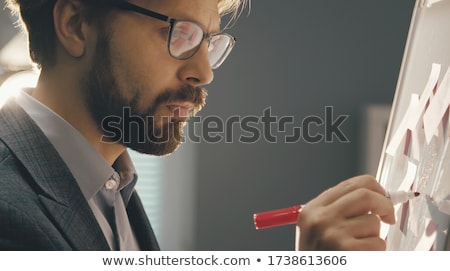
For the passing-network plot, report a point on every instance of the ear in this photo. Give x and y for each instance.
(70, 26)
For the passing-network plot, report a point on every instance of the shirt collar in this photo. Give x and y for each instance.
(89, 168)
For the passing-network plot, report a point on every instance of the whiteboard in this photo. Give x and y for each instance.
(421, 225)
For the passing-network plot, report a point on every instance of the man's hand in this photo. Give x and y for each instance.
(345, 217)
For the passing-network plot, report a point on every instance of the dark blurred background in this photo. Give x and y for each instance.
(296, 57)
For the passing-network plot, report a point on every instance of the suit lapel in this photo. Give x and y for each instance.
(57, 188)
(140, 224)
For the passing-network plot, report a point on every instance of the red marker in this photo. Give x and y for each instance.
(276, 218)
(289, 215)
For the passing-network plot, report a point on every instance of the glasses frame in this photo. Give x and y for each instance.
(206, 36)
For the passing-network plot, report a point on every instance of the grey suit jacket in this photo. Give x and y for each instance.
(41, 205)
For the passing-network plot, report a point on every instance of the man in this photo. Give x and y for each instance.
(118, 75)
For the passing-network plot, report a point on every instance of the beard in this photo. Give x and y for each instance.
(120, 119)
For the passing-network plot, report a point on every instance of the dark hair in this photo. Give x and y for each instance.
(37, 17)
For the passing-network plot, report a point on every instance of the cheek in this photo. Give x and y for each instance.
(144, 49)
(141, 47)
(140, 75)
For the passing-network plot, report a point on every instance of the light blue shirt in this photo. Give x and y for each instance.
(107, 189)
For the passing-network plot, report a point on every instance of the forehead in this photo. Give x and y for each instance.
(205, 12)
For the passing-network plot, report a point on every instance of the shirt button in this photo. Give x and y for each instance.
(110, 184)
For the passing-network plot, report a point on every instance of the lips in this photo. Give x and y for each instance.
(182, 110)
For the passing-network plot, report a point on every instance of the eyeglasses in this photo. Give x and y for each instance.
(185, 37)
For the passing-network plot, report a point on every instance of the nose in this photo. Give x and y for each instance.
(196, 70)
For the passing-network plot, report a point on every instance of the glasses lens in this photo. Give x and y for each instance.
(185, 38)
(219, 48)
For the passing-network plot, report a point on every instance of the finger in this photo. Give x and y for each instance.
(347, 186)
(339, 240)
(364, 201)
(367, 225)
(366, 244)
